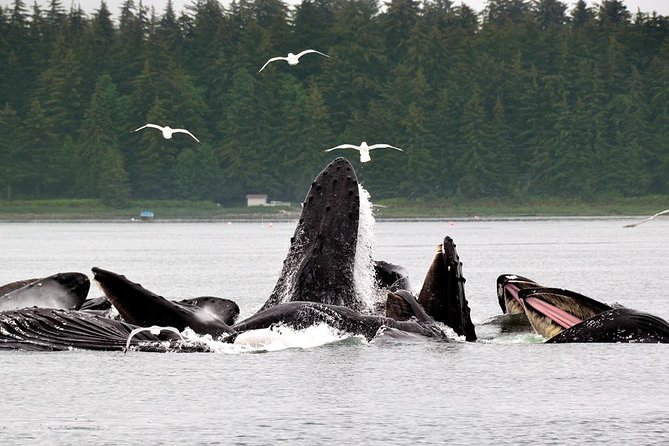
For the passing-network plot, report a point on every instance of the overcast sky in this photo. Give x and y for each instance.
(660, 6)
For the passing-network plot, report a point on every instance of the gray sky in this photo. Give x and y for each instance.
(660, 6)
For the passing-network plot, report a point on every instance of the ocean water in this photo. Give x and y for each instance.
(312, 387)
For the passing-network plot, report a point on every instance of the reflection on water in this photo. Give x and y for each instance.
(507, 389)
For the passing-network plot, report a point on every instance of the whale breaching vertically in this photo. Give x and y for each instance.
(167, 131)
(292, 59)
(364, 149)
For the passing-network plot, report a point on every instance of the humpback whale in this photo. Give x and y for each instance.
(141, 307)
(566, 316)
(622, 325)
(321, 258)
(443, 291)
(390, 276)
(63, 290)
(46, 329)
(316, 285)
(508, 286)
(225, 309)
(300, 315)
(9, 287)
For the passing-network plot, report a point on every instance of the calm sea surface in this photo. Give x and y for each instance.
(506, 389)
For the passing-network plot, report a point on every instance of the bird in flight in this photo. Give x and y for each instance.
(167, 131)
(292, 59)
(364, 149)
(648, 219)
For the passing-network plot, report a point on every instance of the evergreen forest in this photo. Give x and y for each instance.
(526, 99)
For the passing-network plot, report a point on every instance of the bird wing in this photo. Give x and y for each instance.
(298, 55)
(272, 60)
(154, 126)
(384, 146)
(185, 131)
(344, 146)
(150, 330)
(648, 219)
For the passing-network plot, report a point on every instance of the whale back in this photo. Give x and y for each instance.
(224, 309)
(62, 290)
(622, 325)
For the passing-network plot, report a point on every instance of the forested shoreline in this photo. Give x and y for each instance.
(528, 99)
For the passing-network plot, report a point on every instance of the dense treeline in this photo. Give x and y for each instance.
(526, 99)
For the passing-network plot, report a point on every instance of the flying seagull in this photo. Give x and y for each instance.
(167, 131)
(292, 59)
(364, 149)
(666, 211)
(154, 330)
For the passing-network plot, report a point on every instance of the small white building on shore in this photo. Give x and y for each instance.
(256, 200)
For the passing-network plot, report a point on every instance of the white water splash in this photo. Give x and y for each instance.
(519, 338)
(270, 339)
(281, 337)
(364, 276)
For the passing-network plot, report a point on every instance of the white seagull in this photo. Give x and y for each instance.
(292, 59)
(648, 219)
(364, 149)
(154, 330)
(167, 131)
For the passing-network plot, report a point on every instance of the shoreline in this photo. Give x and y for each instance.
(384, 210)
(272, 218)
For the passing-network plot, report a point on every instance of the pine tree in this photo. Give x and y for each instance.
(44, 171)
(60, 90)
(98, 142)
(113, 180)
(55, 18)
(399, 22)
(581, 15)
(10, 152)
(476, 163)
(128, 46)
(155, 157)
(197, 174)
(17, 63)
(99, 35)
